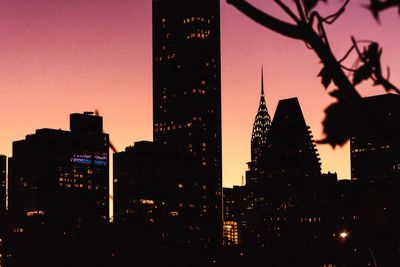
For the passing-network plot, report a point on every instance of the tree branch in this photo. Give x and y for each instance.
(281, 27)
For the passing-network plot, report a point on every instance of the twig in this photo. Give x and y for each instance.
(287, 10)
(347, 54)
(300, 10)
(332, 18)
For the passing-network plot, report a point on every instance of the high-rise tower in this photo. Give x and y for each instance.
(291, 150)
(261, 126)
(187, 101)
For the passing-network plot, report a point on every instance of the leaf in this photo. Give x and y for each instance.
(341, 121)
(374, 7)
(336, 125)
(373, 53)
(362, 73)
(326, 78)
(377, 6)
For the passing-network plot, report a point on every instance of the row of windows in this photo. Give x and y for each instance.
(310, 220)
(357, 150)
(76, 185)
(71, 180)
(165, 58)
(195, 19)
(197, 36)
(174, 127)
(199, 91)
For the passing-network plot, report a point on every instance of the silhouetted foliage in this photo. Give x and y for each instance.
(326, 78)
(377, 6)
(308, 27)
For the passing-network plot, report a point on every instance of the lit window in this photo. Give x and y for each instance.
(146, 201)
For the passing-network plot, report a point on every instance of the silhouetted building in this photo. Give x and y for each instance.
(261, 126)
(375, 172)
(152, 214)
(187, 100)
(291, 149)
(375, 145)
(3, 165)
(259, 137)
(3, 181)
(149, 183)
(235, 216)
(58, 195)
(61, 174)
(289, 163)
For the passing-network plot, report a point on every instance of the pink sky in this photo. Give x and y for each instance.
(63, 56)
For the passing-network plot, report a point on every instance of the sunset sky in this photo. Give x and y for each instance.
(64, 56)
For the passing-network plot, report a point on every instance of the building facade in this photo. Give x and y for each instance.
(375, 144)
(187, 101)
(289, 160)
(3, 183)
(147, 183)
(62, 174)
(236, 203)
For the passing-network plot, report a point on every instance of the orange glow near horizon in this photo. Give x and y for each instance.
(61, 57)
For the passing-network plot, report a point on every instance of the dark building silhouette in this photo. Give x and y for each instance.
(235, 220)
(291, 149)
(58, 195)
(3, 183)
(148, 183)
(297, 216)
(153, 216)
(61, 174)
(259, 137)
(261, 126)
(3, 165)
(187, 101)
(289, 162)
(375, 145)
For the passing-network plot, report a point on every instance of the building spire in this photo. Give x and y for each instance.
(262, 81)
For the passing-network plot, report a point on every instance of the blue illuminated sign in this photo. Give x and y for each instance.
(100, 159)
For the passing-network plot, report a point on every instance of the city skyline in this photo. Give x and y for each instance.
(61, 58)
(118, 196)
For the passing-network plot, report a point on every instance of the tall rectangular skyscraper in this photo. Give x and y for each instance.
(187, 99)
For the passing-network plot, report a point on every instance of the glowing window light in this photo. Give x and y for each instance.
(344, 235)
(35, 212)
(147, 201)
